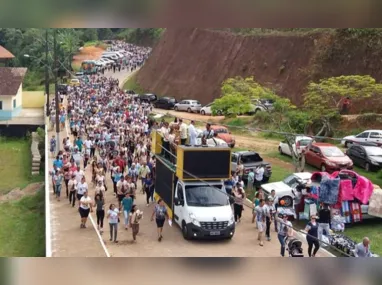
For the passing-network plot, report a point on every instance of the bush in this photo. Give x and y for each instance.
(379, 174)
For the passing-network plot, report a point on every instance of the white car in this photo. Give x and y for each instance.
(188, 105)
(206, 110)
(369, 136)
(107, 61)
(284, 188)
(300, 144)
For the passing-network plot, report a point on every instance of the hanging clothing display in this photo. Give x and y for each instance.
(356, 213)
(346, 212)
(363, 189)
(329, 189)
(346, 190)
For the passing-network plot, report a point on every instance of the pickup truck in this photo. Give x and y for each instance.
(250, 160)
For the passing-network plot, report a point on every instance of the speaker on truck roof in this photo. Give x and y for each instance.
(209, 163)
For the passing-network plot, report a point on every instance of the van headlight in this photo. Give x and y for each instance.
(231, 220)
(194, 220)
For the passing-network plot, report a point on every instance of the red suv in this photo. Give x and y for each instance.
(327, 157)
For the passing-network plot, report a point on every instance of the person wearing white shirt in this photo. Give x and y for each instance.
(82, 187)
(86, 206)
(259, 176)
(183, 132)
(192, 133)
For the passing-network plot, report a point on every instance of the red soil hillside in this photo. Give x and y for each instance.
(192, 63)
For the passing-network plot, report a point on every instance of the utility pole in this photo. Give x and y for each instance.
(47, 73)
(56, 90)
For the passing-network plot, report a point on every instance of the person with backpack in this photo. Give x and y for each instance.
(160, 213)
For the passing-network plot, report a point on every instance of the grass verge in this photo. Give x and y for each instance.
(22, 232)
(15, 165)
(132, 84)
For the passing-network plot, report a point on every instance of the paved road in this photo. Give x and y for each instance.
(71, 241)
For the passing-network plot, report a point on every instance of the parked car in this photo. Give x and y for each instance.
(206, 110)
(300, 144)
(63, 88)
(74, 82)
(223, 133)
(284, 189)
(261, 105)
(367, 157)
(374, 136)
(191, 106)
(250, 160)
(148, 98)
(327, 157)
(130, 92)
(165, 103)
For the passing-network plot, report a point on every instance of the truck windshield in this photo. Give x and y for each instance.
(206, 196)
(251, 158)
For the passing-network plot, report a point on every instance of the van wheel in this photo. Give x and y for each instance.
(185, 233)
(367, 167)
(202, 112)
(176, 109)
(281, 151)
(189, 110)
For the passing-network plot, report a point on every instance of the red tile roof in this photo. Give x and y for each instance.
(5, 54)
(10, 79)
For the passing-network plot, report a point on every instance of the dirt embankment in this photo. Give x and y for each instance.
(192, 63)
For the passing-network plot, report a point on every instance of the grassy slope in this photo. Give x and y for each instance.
(22, 231)
(15, 164)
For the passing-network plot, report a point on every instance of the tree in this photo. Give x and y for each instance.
(237, 94)
(322, 100)
(89, 35)
(69, 40)
(105, 34)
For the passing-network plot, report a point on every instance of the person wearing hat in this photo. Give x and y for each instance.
(312, 236)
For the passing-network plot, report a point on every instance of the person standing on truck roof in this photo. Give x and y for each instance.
(192, 133)
(183, 132)
(166, 144)
(160, 213)
(207, 134)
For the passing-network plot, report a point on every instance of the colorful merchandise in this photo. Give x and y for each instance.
(363, 189)
(329, 189)
(346, 212)
(346, 190)
(356, 212)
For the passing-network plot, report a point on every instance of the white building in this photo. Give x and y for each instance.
(11, 92)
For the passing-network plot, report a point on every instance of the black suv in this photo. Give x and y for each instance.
(148, 98)
(62, 88)
(165, 103)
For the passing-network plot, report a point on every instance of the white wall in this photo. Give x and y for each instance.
(8, 100)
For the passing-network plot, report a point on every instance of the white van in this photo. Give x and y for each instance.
(203, 210)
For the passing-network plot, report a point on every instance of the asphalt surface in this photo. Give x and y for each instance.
(68, 240)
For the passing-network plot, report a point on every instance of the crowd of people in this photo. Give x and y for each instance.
(108, 148)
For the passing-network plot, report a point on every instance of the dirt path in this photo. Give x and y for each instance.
(18, 193)
(87, 53)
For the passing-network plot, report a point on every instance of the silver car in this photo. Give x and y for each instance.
(191, 106)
